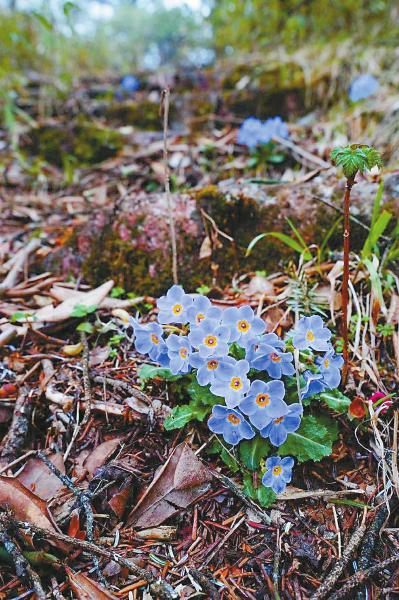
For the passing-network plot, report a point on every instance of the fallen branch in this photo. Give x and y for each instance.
(23, 569)
(331, 579)
(17, 264)
(362, 576)
(15, 438)
(160, 587)
(86, 380)
(228, 483)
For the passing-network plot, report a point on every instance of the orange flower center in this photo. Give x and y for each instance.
(310, 335)
(210, 341)
(183, 352)
(177, 309)
(262, 400)
(326, 363)
(154, 339)
(212, 365)
(279, 420)
(275, 357)
(236, 383)
(200, 317)
(233, 419)
(277, 471)
(243, 326)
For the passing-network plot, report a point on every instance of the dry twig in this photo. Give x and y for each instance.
(15, 438)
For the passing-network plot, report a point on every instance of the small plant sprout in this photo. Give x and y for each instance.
(244, 382)
(356, 158)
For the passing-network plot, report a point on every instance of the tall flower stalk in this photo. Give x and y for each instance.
(356, 158)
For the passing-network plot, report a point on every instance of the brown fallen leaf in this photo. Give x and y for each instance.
(178, 483)
(87, 589)
(100, 454)
(38, 478)
(26, 506)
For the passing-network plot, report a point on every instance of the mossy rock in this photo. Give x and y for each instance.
(82, 143)
(142, 114)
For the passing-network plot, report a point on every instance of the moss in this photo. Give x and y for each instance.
(141, 114)
(84, 143)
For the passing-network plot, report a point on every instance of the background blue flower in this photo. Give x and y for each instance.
(231, 424)
(253, 131)
(270, 359)
(278, 473)
(314, 384)
(209, 366)
(179, 352)
(232, 384)
(173, 306)
(202, 308)
(264, 402)
(243, 324)
(272, 127)
(330, 367)
(277, 431)
(310, 332)
(210, 338)
(362, 87)
(148, 339)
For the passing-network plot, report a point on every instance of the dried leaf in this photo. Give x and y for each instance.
(206, 248)
(100, 454)
(178, 483)
(260, 286)
(87, 589)
(38, 478)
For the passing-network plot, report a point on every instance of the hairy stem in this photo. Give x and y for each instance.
(345, 277)
(166, 102)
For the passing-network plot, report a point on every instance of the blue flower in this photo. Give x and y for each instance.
(179, 352)
(277, 431)
(243, 324)
(362, 87)
(265, 356)
(210, 338)
(209, 366)
(130, 83)
(278, 473)
(173, 307)
(148, 339)
(330, 367)
(272, 127)
(264, 402)
(202, 308)
(248, 133)
(314, 384)
(231, 382)
(231, 424)
(310, 332)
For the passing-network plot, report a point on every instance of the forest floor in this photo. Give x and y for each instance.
(98, 500)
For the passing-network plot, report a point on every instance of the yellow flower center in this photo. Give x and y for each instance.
(236, 383)
(277, 471)
(183, 352)
(154, 339)
(310, 335)
(279, 420)
(243, 326)
(275, 357)
(326, 363)
(211, 341)
(233, 419)
(262, 400)
(212, 365)
(177, 309)
(200, 317)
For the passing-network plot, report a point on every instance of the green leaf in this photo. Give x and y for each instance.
(85, 326)
(43, 20)
(202, 394)
(375, 233)
(265, 496)
(80, 310)
(354, 158)
(181, 415)
(313, 440)
(372, 267)
(148, 372)
(335, 400)
(227, 457)
(282, 237)
(252, 452)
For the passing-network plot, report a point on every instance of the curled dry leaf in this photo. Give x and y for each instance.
(178, 483)
(87, 589)
(38, 478)
(72, 349)
(100, 454)
(26, 506)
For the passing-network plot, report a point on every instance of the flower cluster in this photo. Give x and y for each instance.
(363, 87)
(253, 131)
(229, 351)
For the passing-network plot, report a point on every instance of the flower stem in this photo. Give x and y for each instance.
(345, 277)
